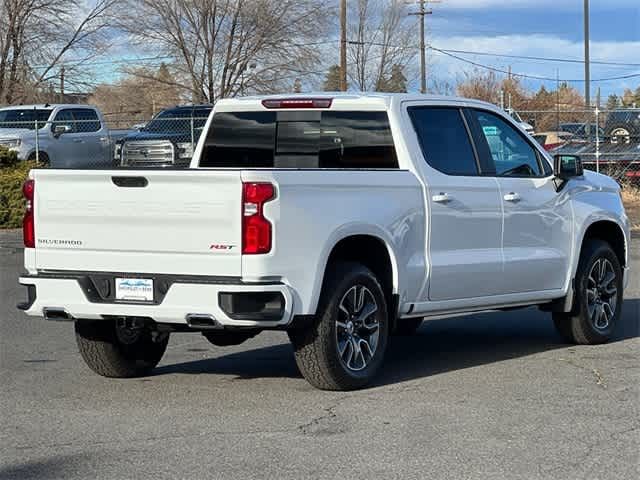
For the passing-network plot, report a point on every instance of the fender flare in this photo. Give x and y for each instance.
(346, 231)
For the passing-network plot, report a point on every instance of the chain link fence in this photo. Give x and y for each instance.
(91, 143)
(608, 141)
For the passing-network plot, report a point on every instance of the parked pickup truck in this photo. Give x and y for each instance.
(340, 219)
(166, 141)
(68, 136)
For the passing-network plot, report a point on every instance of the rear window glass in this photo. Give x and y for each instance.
(300, 139)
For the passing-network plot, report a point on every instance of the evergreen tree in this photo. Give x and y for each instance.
(396, 82)
(613, 102)
(332, 80)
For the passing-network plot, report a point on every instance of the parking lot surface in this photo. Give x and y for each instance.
(488, 396)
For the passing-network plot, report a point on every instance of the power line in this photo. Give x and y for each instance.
(523, 75)
(545, 59)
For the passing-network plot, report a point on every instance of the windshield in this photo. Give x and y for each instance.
(177, 121)
(24, 118)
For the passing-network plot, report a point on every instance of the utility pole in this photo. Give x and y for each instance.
(423, 60)
(343, 45)
(587, 70)
(62, 84)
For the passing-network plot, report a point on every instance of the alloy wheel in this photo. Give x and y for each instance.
(357, 328)
(602, 294)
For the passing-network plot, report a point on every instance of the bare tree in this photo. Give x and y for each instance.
(37, 37)
(227, 47)
(380, 37)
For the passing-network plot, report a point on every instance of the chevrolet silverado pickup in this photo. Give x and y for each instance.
(59, 136)
(341, 219)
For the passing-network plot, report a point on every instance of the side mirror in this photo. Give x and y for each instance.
(567, 166)
(60, 129)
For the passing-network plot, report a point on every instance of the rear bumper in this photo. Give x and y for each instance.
(180, 302)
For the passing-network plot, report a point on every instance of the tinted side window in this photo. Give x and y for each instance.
(64, 117)
(86, 120)
(444, 139)
(511, 153)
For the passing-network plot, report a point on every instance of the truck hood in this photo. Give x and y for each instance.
(22, 133)
(173, 136)
(600, 181)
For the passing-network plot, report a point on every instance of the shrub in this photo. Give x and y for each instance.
(7, 157)
(11, 200)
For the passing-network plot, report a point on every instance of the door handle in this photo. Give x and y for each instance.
(512, 197)
(77, 140)
(442, 197)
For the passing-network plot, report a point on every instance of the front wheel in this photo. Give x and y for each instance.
(345, 346)
(598, 297)
(119, 348)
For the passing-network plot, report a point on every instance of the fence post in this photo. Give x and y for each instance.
(597, 139)
(192, 133)
(37, 141)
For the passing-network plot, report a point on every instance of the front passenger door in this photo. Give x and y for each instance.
(538, 222)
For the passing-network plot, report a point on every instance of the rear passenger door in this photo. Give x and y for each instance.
(465, 211)
(537, 219)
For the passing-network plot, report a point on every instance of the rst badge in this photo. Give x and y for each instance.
(220, 246)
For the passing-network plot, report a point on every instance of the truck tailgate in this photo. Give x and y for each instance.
(172, 222)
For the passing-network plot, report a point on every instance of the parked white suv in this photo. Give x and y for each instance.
(64, 136)
(340, 219)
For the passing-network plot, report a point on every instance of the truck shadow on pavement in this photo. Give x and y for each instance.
(439, 346)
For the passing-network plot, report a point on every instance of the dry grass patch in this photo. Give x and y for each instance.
(631, 199)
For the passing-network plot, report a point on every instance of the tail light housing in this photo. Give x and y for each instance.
(256, 229)
(28, 227)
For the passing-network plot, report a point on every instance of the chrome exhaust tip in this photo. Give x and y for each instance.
(56, 314)
(203, 321)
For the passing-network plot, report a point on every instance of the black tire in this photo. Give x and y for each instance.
(44, 158)
(407, 326)
(108, 355)
(316, 347)
(579, 326)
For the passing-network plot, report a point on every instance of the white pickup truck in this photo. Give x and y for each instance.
(341, 219)
(60, 136)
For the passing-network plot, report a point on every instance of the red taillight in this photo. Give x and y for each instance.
(297, 103)
(256, 229)
(552, 146)
(28, 228)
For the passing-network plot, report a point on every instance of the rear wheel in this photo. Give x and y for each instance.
(119, 348)
(345, 346)
(42, 157)
(598, 297)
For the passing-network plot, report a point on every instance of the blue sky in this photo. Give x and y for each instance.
(543, 28)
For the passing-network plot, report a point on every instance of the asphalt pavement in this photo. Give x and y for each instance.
(490, 396)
